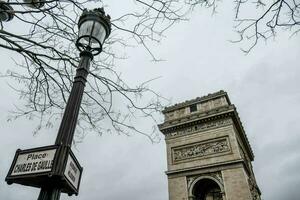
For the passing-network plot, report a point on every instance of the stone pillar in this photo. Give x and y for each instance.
(205, 138)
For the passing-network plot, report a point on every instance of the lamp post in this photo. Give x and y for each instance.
(57, 170)
(94, 27)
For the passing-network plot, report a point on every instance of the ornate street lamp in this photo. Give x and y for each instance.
(57, 169)
(94, 27)
(6, 12)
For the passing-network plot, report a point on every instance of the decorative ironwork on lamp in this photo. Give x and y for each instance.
(94, 27)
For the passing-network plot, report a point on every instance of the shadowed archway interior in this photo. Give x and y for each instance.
(207, 189)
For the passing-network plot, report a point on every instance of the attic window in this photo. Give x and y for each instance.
(193, 108)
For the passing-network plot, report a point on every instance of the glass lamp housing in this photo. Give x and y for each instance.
(94, 28)
(92, 32)
(6, 12)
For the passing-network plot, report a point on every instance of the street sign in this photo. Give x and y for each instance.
(46, 166)
(73, 172)
(34, 162)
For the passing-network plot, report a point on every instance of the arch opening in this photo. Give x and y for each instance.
(207, 189)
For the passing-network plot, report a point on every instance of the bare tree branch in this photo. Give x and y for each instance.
(46, 45)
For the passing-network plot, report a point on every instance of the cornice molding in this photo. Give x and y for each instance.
(235, 163)
(209, 116)
(197, 118)
(197, 100)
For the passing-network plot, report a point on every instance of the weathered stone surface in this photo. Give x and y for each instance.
(199, 150)
(236, 186)
(206, 144)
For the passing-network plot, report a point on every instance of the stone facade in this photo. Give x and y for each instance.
(206, 144)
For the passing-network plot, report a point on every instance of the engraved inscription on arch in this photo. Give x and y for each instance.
(200, 127)
(199, 150)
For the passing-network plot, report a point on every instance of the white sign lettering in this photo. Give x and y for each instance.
(72, 172)
(34, 162)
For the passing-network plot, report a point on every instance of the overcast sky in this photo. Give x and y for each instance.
(263, 85)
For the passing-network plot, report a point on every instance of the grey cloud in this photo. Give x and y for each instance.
(263, 85)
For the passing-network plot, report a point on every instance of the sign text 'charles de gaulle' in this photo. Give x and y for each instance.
(35, 162)
(44, 166)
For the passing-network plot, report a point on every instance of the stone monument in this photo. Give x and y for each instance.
(208, 153)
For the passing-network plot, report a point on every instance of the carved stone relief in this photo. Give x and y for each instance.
(199, 127)
(169, 116)
(180, 112)
(204, 106)
(253, 189)
(200, 150)
(217, 102)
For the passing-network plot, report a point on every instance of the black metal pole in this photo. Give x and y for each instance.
(49, 194)
(69, 121)
(67, 127)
